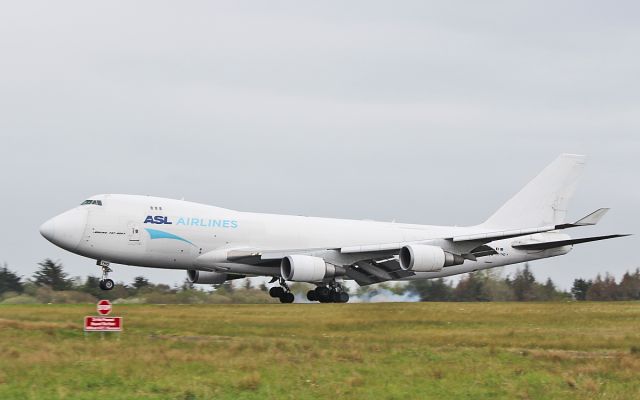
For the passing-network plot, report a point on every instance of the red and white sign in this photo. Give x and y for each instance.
(104, 307)
(103, 324)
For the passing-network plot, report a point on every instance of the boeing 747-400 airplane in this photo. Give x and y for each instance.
(215, 244)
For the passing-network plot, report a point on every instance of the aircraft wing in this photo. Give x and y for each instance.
(376, 270)
(378, 262)
(364, 267)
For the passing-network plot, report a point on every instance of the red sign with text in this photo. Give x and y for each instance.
(104, 307)
(103, 324)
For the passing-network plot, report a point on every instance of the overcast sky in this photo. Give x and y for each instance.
(418, 111)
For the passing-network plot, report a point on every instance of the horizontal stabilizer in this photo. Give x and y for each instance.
(560, 243)
(591, 219)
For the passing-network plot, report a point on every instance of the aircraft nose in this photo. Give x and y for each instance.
(47, 230)
(65, 230)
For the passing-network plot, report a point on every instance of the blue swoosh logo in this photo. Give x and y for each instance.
(156, 234)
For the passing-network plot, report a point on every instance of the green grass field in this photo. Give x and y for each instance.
(386, 351)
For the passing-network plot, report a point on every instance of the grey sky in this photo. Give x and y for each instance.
(409, 110)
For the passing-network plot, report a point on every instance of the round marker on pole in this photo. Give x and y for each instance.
(104, 307)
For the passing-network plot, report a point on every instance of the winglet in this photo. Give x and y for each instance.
(591, 219)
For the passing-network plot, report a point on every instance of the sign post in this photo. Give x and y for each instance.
(103, 323)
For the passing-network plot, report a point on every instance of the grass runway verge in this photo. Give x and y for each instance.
(301, 351)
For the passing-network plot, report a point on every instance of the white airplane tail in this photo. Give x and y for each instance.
(544, 201)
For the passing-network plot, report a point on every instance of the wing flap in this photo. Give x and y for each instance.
(370, 272)
(494, 235)
(560, 243)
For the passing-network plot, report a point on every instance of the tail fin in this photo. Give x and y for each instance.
(544, 201)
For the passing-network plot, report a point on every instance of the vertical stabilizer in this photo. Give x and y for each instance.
(545, 199)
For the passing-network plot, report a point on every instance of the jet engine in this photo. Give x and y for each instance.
(206, 277)
(308, 269)
(425, 258)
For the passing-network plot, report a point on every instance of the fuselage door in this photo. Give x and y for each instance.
(134, 233)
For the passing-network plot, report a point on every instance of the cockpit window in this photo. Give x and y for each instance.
(94, 202)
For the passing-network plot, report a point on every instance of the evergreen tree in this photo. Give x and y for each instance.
(91, 285)
(548, 291)
(611, 288)
(431, 289)
(595, 291)
(9, 281)
(630, 286)
(470, 288)
(494, 288)
(51, 274)
(580, 289)
(140, 282)
(603, 289)
(523, 284)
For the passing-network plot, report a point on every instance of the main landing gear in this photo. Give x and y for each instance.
(105, 282)
(334, 293)
(282, 292)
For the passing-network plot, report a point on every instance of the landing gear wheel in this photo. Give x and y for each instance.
(276, 291)
(312, 296)
(344, 297)
(106, 284)
(283, 292)
(322, 291)
(323, 294)
(287, 297)
(332, 293)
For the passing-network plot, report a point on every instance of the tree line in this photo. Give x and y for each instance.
(51, 284)
(489, 285)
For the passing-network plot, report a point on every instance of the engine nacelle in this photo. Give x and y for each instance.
(301, 268)
(206, 277)
(426, 258)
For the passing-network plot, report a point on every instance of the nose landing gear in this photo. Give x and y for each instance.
(105, 282)
(282, 292)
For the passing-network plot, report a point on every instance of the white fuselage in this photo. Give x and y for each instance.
(163, 233)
